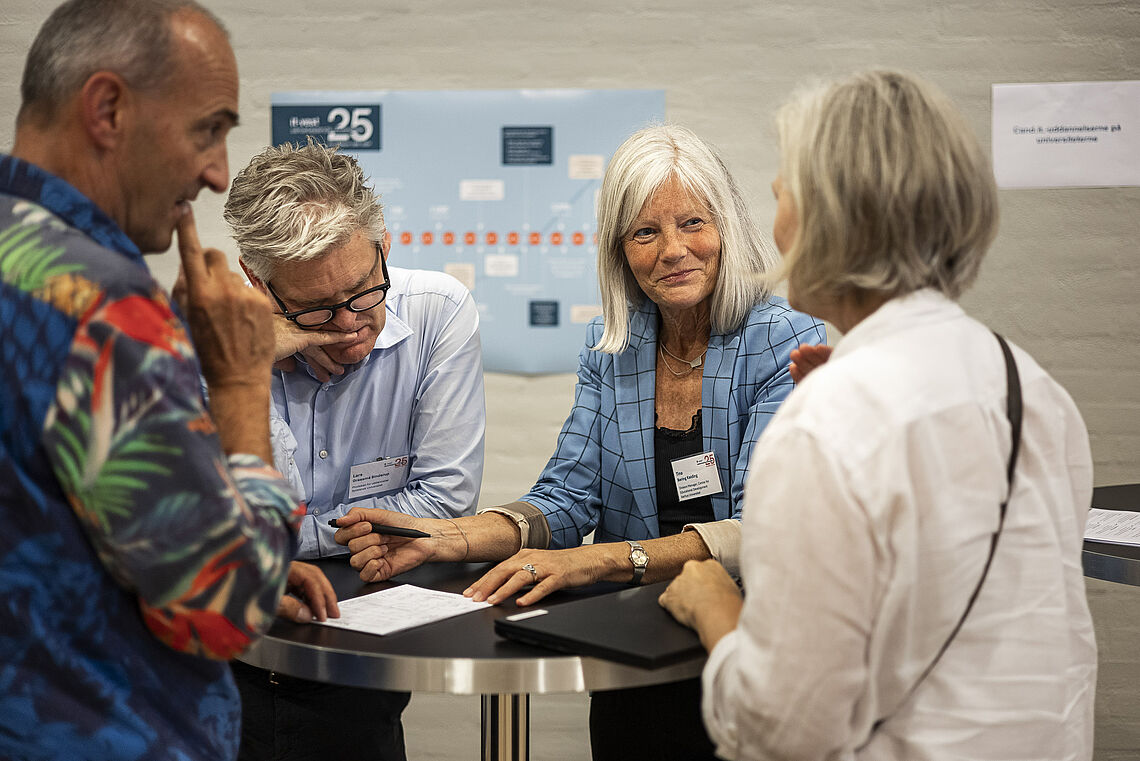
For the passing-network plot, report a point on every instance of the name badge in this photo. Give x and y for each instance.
(696, 476)
(385, 474)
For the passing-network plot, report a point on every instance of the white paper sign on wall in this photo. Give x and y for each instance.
(1066, 134)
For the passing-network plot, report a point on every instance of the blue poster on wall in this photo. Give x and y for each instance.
(495, 187)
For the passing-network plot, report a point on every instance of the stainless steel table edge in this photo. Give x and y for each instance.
(457, 676)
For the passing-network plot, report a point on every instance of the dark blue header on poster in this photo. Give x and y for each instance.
(352, 127)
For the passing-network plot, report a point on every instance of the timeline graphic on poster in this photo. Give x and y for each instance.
(495, 187)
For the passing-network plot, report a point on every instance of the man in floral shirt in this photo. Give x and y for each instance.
(145, 539)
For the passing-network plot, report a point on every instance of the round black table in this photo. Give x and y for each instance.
(1114, 562)
(458, 656)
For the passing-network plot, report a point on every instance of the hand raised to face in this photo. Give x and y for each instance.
(231, 323)
(289, 339)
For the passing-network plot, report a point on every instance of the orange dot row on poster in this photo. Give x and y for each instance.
(428, 238)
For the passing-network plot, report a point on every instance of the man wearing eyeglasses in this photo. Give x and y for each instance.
(377, 402)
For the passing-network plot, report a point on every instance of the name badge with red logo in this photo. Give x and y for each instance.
(385, 474)
(696, 476)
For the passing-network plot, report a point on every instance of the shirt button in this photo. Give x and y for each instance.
(324, 453)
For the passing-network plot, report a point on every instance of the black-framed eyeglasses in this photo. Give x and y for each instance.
(315, 317)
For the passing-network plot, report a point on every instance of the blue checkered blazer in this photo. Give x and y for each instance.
(602, 476)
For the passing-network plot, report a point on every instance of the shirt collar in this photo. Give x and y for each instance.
(921, 307)
(395, 330)
(23, 180)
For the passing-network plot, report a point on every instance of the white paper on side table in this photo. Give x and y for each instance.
(399, 608)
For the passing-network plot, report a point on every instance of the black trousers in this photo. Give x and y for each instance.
(289, 719)
(661, 723)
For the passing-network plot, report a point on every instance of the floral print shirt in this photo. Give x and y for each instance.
(135, 557)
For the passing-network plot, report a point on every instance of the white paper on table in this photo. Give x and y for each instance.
(1115, 526)
(399, 608)
(1066, 134)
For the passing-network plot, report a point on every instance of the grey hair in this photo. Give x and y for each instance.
(295, 203)
(642, 164)
(892, 189)
(128, 37)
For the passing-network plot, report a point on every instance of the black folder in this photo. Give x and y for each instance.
(627, 626)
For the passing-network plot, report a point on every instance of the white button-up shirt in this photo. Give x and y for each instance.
(868, 514)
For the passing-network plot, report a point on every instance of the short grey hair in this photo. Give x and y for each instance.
(643, 163)
(892, 189)
(295, 203)
(128, 37)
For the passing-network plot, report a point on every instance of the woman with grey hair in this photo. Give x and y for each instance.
(925, 597)
(675, 384)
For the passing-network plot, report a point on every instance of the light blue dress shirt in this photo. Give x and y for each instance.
(419, 393)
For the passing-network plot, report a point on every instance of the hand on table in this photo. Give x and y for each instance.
(554, 569)
(806, 358)
(290, 339)
(705, 598)
(308, 595)
(379, 557)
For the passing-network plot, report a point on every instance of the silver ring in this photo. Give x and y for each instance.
(532, 571)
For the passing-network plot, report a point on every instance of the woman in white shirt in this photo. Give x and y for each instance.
(876, 491)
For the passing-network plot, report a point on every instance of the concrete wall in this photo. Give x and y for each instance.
(1062, 279)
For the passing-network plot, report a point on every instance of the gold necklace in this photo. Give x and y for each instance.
(692, 363)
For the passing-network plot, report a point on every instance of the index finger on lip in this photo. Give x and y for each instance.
(189, 249)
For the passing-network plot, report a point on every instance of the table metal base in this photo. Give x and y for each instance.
(506, 727)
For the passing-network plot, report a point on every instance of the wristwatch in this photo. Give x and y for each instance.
(640, 559)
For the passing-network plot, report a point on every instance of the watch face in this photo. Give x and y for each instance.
(639, 557)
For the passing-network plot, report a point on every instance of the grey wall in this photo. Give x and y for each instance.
(1061, 279)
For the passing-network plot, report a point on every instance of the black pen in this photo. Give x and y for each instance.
(380, 528)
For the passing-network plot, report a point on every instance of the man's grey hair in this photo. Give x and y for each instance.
(892, 189)
(128, 37)
(642, 164)
(295, 203)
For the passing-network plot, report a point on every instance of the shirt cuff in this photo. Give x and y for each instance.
(534, 531)
(723, 540)
(720, 724)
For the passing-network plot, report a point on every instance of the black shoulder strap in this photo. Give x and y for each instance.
(1013, 412)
